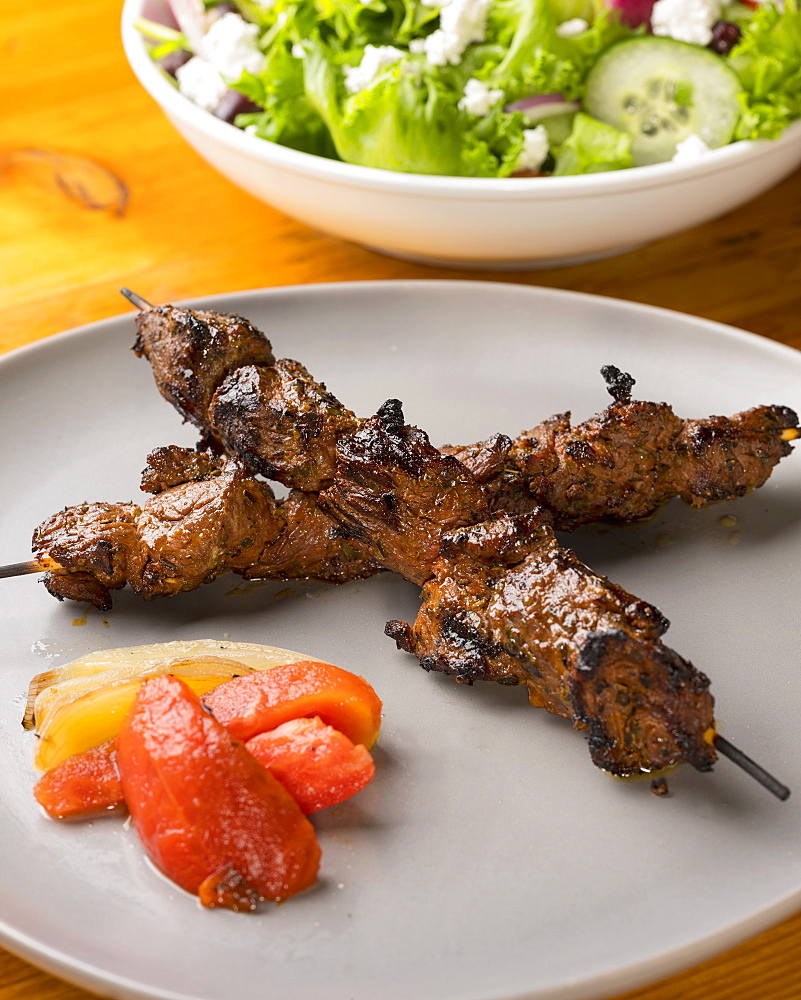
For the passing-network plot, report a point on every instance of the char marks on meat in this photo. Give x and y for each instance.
(192, 350)
(396, 494)
(508, 603)
(635, 456)
(282, 422)
(310, 547)
(209, 516)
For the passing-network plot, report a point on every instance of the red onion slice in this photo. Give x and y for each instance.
(540, 106)
(534, 100)
(633, 12)
(190, 16)
(155, 10)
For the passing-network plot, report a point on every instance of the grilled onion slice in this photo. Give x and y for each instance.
(82, 704)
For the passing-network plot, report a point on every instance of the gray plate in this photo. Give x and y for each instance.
(489, 859)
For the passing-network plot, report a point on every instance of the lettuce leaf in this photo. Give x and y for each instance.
(409, 120)
(767, 59)
(592, 147)
(536, 60)
(288, 117)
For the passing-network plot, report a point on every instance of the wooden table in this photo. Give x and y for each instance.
(187, 232)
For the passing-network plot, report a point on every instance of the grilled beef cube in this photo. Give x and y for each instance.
(635, 456)
(209, 516)
(91, 543)
(310, 547)
(490, 462)
(486, 460)
(282, 422)
(508, 603)
(192, 350)
(395, 493)
(173, 465)
(643, 706)
(190, 534)
(723, 457)
(184, 536)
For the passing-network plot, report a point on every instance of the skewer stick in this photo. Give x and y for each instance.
(32, 566)
(135, 300)
(750, 767)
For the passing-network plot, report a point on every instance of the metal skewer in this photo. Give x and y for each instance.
(21, 568)
(135, 300)
(751, 767)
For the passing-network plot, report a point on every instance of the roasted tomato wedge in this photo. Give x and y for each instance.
(208, 814)
(317, 765)
(84, 784)
(250, 705)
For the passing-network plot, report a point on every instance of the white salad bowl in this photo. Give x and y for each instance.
(473, 222)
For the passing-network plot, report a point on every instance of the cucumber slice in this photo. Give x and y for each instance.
(660, 91)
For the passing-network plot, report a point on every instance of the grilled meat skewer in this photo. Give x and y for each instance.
(504, 601)
(508, 603)
(208, 516)
(220, 373)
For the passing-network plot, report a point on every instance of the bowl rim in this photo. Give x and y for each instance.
(660, 175)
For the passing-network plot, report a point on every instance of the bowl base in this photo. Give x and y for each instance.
(513, 264)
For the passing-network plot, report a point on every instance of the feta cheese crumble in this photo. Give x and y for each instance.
(461, 22)
(686, 20)
(231, 46)
(569, 29)
(478, 98)
(201, 83)
(690, 149)
(535, 149)
(375, 58)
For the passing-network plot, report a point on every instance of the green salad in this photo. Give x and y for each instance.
(490, 88)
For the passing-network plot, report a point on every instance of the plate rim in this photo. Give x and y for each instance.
(453, 284)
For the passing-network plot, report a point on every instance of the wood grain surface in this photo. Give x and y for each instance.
(177, 229)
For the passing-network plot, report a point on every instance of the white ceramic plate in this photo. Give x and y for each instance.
(489, 859)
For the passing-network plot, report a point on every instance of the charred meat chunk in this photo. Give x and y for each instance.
(173, 465)
(395, 493)
(182, 537)
(90, 542)
(635, 456)
(310, 547)
(282, 422)
(508, 603)
(192, 531)
(192, 350)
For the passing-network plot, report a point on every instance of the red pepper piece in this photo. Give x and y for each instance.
(203, 805)
(83, 784)
(258, 702)
(317, 765)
